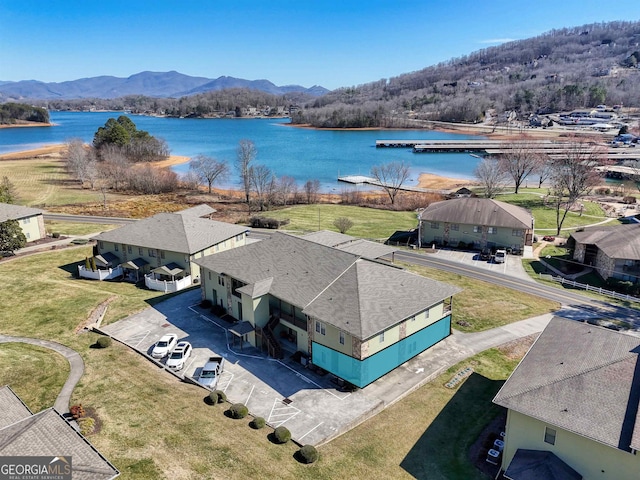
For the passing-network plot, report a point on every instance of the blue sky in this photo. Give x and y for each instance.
(305, 42)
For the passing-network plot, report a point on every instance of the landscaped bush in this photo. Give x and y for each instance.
(87, 425)
(282, 434)
(238, 410)
(206, 303)
(104, 342)
(55, 235)
(217, 396)
(77, 411)
(258, 423)
(629, 199)
(308, 454)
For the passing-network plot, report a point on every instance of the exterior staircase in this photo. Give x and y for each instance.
(273, 345)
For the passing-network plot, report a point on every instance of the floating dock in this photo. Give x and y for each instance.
(362, 180)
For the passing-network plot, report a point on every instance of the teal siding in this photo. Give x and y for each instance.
(362, 372)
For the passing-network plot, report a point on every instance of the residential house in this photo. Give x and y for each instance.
(163, 248)
(353, 316)
(572, 406)
(31, 220)
(614, 252)
(477, 223)
(48, 434)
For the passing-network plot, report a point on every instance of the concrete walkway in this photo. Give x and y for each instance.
(75, 363)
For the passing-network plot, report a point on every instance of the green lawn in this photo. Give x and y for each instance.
(71, 228)
(367, 222)
(156, 427)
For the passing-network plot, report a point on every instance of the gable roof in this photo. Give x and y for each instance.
(197, 211)
(173, 233)
(328, 238)
(347, 243)
(13, 409)
(581, 378)
(48, 434)
(357, 295)
(620, 241)
(16, 212)
(478, 211)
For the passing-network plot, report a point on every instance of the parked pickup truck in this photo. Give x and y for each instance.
(211, 371)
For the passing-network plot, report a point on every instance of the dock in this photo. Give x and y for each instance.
(362, 180)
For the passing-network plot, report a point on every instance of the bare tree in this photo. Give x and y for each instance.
(490, 176)
(573, 176)
(343, 224)
(80, 162)
(190, 180)
(114, 167)
(544, 170)
(287, 189)
(209, 169)
(519, 160)
(311, 189)
(261, 179)
(246, 154)
(391, 176)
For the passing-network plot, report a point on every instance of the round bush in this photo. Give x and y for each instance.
(282, 434)
(258, 423)
(308, 453)
(218, 396)
(87, 425)
(238, 410)
(104, 342)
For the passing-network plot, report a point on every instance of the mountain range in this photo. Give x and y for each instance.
(151, 84)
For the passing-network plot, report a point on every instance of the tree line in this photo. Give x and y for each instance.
(11, 113)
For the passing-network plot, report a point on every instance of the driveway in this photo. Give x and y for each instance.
(284, 392)
(512, 266)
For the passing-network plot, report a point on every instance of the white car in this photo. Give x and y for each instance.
(164, 346)
(179, 356)
(500, 256)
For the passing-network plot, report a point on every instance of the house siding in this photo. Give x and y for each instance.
(363, 372)
(593, 460)
(445, 233)
(32, 227)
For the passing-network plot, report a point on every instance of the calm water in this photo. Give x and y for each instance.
(299, 153)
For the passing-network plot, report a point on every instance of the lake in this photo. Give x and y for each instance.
(304, 154)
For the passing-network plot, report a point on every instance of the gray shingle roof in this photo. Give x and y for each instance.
(13, 409)
(328, 238)
(357, 295)
(538, 465)
(197, 211)
(16, 212)
(620, 241)
(478, 211)
(48, 434)
(347, 243)
(580, 378)
(173, 233)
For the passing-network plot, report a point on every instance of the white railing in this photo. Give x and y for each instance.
(590, 288)
(99, 274)
(166, 286)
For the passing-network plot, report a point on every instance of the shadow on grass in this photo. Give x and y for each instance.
(443, 450)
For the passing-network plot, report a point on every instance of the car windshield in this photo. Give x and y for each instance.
(162, 344)
(208, 374)
(176, 355)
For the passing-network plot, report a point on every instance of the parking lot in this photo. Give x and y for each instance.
(511, 266)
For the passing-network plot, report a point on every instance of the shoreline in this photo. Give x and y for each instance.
(22, 125)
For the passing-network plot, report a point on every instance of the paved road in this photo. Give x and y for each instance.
(75, 363)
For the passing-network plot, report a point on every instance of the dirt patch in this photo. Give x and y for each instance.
(516, 349)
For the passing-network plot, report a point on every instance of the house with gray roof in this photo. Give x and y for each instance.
(347, 243)
(353, 316)
(477, 223)
(572, 405)
(613, 251)
(162, 249)
(48, 434)
(31, 220)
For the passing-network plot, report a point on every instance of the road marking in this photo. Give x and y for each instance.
(310, 431)
(278, 410)
(252, 388)
(308, 380)
(134, 337)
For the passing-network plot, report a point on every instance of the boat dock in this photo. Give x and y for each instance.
(362, 180)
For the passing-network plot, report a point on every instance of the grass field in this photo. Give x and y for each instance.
(156, 427)
(71, 228)
(367, 222)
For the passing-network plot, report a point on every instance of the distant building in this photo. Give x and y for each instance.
(31, 220)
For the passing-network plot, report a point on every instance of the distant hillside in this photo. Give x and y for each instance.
(559, 70)
(18, 113)
(149, 84)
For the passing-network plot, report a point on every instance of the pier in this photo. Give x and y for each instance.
(362, 180)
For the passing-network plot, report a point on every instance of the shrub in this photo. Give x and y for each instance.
(238, 410)
(217, 396)
(258, 423)
(629, 199)
(104, 342)
(308, 453)
(282, 434)
(77, 411)
(206, 303)
(262, 222)
(87, 425)
(55, 234)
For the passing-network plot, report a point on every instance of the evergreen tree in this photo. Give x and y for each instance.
(11, 236)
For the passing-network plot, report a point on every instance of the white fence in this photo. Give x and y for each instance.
(166, 286)
(99, 274)
(584, 286)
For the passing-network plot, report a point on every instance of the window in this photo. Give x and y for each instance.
(129, 249)
(238, 237)
(320, 328)
(517, 233)
(216, 248)
(549, 436)
(115, 247)
(28, 235)
(435, 225)
(209, 275)
(101, 245)
(27, 220)
(220, 280)
(492, 230)
(161, 253)
(341, 338)
(413, 319)
(152, 252)
(381, 338)
(426, 314)
(454, 226)
(477, 229)
(140, 251)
